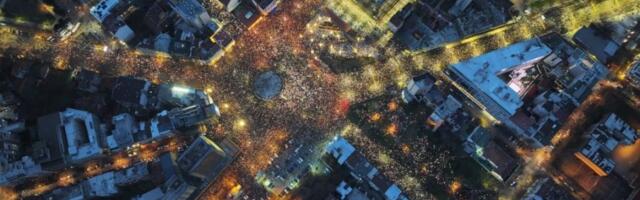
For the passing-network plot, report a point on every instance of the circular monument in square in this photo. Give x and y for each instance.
(267, 85)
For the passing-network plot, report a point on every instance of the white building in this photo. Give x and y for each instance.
(530, 86)
(481, 76)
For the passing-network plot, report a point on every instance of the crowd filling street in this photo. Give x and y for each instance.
(290, 42)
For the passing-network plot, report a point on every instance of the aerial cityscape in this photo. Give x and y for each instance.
(320, 99)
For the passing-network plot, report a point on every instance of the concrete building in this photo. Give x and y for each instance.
(230, 5)
(105, 12)
(422, 89)
(193, 13)
(546, 188)
(131, 92)
(125, 128)
(482, 76)
(169, 28)
(428, 24)
(633, 76)
(196, 168)
(612, 42)
(181, 96)
(603, 138)
(363, 171)
(10, 144)
(491, 155)
(101, 186)
(184, 117)
(88, 81)
(16, 172)
(102, 10)
(530, 86)
(443, 112)
(594, 41)
(155, 194)
(544, 115)
(290, 166)
(205, 160)
(266, 6)
(364, 18)
(347, 192)
(70, 136)
(132, 175)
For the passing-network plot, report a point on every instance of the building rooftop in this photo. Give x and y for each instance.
(596, 43)
(131, 92)
(634, 74)
(125, 127)
(491, 155)
(161, 125)
(362, 170)
(604, 138)
(88, 81)
(103, 9)
(72, 134)
(204, 159)
(422, 89)
(340, 149)
(431, 23)
(360, 167)
(176, 95)
(443, 112)
(545, 188)
(14, 171)
(103, 185)
(132, 174)
(155, 194)
(483, 71)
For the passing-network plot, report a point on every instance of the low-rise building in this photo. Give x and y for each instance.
(490, 154)
(546, 188)
(131, 175)
(125, 128)
(88, 81)
(131, 92)
(443, 112)
(15, 172)
(611, 42)
(430, 24)
(205, 160)
(70, 136)
(188, 174)
(379, 186)
(181, 96)
(597, 44)
(10, 144)
(634, 75)
(347, 192)
(266, 6)
(422, 89)
(100, 186)
(179, 28)
(364, 18)
(603, 138)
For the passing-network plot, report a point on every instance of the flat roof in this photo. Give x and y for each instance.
(482, 71)
(340, 149)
